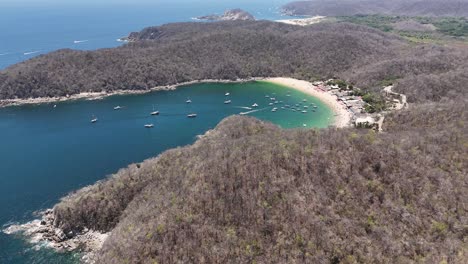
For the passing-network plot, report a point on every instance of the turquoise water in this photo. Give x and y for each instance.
(47, 152)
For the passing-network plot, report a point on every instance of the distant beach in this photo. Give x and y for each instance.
(342, 116)
(303, 21)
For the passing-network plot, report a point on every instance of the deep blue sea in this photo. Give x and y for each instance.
(32, 27)
(47, 152)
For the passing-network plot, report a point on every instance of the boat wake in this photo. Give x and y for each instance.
(253, 111)
(244, 107)
(31, 52)
(80, 41)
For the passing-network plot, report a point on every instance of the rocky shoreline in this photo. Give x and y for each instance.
(43, 231)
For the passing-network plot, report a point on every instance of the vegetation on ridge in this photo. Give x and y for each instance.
(251, 192)
(182, 52)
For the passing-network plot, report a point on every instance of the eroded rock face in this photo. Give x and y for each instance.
(230, 15)
(45, 230)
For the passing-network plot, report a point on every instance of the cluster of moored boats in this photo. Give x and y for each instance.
(301, 107)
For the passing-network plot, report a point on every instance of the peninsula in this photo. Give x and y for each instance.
(229, 15)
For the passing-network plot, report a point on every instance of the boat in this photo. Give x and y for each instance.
(270, 104)
(315, 106)
(267, 96)
(154, 112)
(227, 94)
(305, 100)
(55, 106)
(255, 105)
(227, 102)
(192, 115)
(243, 113)
(117, 107)
(149, 125)
(305, 106)
(188, 101)
(94, 120)
(274, 109)
(288, 95)
(272, 98)
(304, 125)
(304, 111)
(276, 102)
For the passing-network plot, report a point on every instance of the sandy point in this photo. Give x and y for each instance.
(342, 117)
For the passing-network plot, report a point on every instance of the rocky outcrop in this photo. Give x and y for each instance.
(229, 15)
(44, 230)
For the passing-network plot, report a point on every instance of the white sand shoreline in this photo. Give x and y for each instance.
(342, 117)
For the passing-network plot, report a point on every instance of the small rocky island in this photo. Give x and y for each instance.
(229, 15)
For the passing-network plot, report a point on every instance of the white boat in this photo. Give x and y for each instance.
(304, 111)
(270, 104)
(288, 95)
(55, 106)
(192, 115)
(305, 100)
(274, 109)
(276, 102)
(149, 125)
(304, 125)
(117, 107)
(227, 94)
(267, 96)
(227, 102)
(243, 113)
(154, 112)
(255, 105)
(188, 101)
(305, 106)
(94, 120)
(273, 99)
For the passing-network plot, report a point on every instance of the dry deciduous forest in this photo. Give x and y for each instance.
(250, 192)
(446, 8)
(182, 52)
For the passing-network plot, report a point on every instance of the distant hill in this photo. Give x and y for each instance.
(229, 15)
(458, 8)
(183, 52)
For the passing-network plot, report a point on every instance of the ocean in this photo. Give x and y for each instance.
(47, 152)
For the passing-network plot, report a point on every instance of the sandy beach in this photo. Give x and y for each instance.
(342, 116)
(303, 21)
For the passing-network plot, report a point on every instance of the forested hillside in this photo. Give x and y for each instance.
(439, 8)
(252, 192)
(182, 52)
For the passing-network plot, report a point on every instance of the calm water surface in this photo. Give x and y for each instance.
(47, 152)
